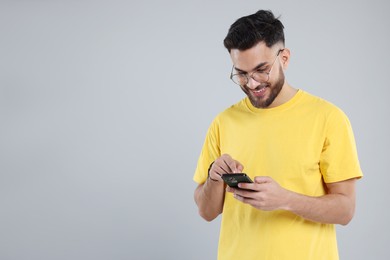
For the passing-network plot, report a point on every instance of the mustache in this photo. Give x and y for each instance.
(262, 85)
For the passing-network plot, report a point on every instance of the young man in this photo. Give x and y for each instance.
(298, 149)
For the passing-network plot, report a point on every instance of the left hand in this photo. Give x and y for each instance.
(264, 194)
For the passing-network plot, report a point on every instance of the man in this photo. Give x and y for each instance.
(297, 148)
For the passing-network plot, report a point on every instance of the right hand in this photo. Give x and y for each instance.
(224, 164)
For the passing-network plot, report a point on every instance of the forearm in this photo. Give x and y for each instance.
(209, 197)
(336, 207)
(330, 208)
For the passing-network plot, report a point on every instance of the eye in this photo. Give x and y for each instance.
(240, 74)
(260, 70)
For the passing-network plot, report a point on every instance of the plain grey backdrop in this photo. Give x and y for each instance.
(104, 106)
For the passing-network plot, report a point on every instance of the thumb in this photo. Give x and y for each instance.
(263, 179)
(240, 167)
(237, 167)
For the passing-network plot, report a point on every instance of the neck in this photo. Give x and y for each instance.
(285, 95)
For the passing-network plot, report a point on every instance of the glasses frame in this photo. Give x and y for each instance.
(247, 76)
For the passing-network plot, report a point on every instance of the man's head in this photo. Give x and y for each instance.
(249, 30)
(256, 46)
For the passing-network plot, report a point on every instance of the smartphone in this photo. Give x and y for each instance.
(233, 179)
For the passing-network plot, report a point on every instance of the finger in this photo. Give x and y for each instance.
(239, 167)
(228, 163)
(235, 166)
(220, 167)
(248, 186)
(226, 167)
(238, 197)
(262, 179)
(230, 189)
(223, 163)
(245, 200)
(232, 166)
(245, 193)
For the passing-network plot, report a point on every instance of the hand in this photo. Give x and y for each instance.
(224, 164)
(264, 194)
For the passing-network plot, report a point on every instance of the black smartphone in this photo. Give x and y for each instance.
(233, 179)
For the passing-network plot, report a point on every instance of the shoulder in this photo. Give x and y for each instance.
(320, 105)
(331, 115)
(230, 116)
(318, 102)
(238, 109)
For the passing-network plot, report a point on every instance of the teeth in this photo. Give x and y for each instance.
(257, 91)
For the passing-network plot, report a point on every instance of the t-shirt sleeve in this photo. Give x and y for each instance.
(339, 159)
(210, 152)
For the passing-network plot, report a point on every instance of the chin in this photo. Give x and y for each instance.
(264, 102)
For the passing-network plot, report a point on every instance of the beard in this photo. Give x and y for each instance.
(275, 88)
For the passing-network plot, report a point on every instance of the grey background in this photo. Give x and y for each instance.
(104, 106)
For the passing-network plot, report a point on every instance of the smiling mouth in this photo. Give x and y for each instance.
(259, 92)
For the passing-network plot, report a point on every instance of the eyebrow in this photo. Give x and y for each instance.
(256, 68)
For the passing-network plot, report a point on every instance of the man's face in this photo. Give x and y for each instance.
(260, 58)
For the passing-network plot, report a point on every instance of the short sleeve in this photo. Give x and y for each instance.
(339, 159)
(210, 152)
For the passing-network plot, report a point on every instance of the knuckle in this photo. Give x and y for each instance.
(226, 157)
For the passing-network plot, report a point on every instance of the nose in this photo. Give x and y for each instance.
(252, 84)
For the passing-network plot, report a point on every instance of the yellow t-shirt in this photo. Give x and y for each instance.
(302, 144)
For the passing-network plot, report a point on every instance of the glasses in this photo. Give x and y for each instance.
(260, 76)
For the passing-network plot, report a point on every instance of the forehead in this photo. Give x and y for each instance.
(248, 59)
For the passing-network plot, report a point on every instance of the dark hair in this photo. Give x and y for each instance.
(249, 30)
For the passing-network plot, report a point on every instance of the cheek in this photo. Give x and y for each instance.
(280, 74)
(244, 89)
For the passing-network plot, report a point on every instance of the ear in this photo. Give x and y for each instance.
(285, 58)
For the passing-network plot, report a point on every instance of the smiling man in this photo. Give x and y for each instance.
(298, 149)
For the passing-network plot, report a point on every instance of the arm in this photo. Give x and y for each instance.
(210, 195)
(336, 207)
